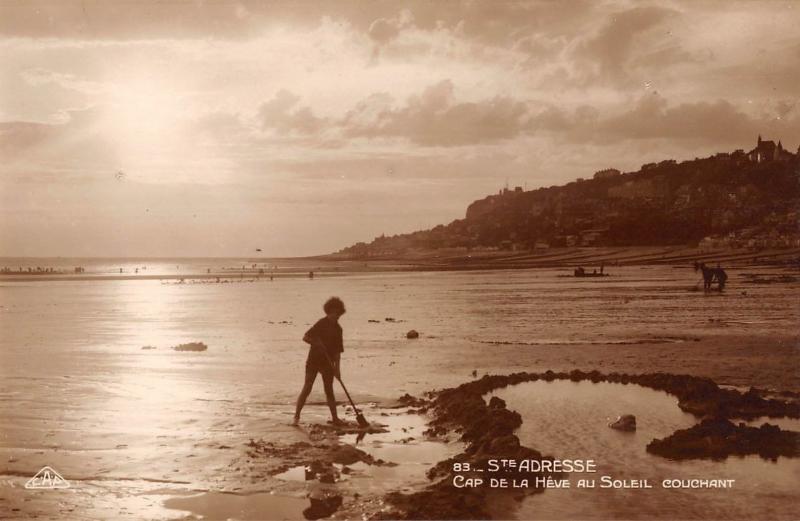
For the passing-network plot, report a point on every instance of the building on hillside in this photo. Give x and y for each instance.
(767, 150)
(608, 173)
(516, 190)
(593, 236)
(654, 188)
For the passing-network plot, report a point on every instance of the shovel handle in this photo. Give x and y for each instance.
(330, 362)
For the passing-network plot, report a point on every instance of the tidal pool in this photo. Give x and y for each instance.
(569, 420)
(219, 505)
(404, 445)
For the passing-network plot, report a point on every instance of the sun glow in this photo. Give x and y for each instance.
(145, 104)
(146, 121)
(144, 112)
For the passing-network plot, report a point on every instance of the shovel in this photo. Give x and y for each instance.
(362, 422)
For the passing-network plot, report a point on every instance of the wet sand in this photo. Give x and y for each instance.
(256, 269)
(144, 433)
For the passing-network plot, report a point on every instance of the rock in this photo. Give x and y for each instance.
(323, 507)
(191, 346)
(626, 422)
(718, 438)
(374, 321)
(412, 334)
(145, 348)
(504, 445)
(347, 455)
(318, 466)
(497, 403)
(411, 401)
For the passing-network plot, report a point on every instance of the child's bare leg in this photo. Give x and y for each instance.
(327, 381)
(301, 400)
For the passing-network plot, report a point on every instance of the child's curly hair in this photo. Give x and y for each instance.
(333, 304)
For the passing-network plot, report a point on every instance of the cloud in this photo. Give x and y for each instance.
(434, 118)
(718, 124)
(384, 30)
(18, 136)
(437, 118)
(536, 47)
(280, 114)
(487, 22)
(608, 51)
(220, 126)
(40, 76)
(652, 117)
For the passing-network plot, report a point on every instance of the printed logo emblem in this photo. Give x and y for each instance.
(47, 478)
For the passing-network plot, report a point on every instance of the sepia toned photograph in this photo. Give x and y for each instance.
(399, 260)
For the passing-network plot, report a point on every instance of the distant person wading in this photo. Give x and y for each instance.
(711, 275)
(325, 339)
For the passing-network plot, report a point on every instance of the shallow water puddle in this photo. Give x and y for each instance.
(405, 445)
(406, 452)
(569, 420)
(299, 473)
(303, 473)
(221, 505)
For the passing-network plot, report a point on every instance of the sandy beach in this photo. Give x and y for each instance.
(163, 434)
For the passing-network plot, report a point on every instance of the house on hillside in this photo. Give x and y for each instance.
(608, 173)
(767, 150)
(654, 188)
(593, 236)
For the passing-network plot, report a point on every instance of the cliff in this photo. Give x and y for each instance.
(725, 197)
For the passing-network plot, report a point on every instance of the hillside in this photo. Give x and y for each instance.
(727, 200)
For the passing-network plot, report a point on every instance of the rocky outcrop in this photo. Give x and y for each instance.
(322, 507)
(191, 346)
(718, 438)
(488, 430)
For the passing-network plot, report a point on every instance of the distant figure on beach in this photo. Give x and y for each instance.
(710, 275)
(310, 274)
(325, 339)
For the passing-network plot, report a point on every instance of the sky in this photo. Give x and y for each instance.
(213, 128)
